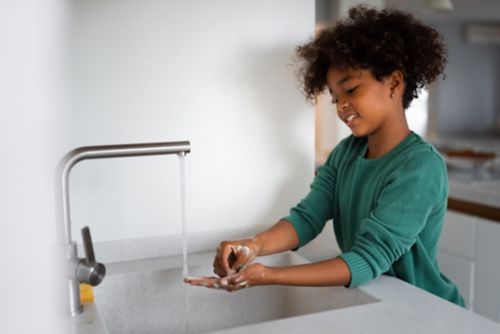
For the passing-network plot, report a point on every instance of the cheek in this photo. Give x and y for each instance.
(383, 93)
(374, 100)
(337, 110)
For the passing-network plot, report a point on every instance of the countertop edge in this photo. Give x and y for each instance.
(474, 209)
(473, 200)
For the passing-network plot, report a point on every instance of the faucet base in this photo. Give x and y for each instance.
(73, 285)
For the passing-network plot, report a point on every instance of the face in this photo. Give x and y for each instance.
(364, 104)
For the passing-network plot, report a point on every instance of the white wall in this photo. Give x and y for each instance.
(216, 73)
(31, 81)
(466, 98)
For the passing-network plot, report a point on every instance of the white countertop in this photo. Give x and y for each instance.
(402, 308)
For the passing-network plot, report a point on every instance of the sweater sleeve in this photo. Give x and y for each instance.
(310, 215)
(409, 197)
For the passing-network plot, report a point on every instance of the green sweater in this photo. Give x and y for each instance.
(387, 212)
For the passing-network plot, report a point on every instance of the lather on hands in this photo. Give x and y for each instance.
(232, 256)
(233, 264)
(251, 275)
(235, 270)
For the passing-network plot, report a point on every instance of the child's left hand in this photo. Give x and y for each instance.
(251, 275)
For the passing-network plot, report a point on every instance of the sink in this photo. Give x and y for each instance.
(148, 296)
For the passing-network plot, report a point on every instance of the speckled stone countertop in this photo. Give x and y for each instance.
(403, 308)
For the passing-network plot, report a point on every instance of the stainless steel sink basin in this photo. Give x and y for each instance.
(141, 297)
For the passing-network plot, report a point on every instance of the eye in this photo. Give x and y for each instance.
(350, 91)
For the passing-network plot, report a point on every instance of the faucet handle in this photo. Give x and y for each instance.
(88, 270)
(87, 245)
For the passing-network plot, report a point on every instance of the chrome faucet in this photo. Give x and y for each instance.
(88, 270)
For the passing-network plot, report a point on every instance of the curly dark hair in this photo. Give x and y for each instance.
(381, 41)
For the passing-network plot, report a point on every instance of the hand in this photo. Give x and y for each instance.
(206, 281)
(252, 275)
(232, 256)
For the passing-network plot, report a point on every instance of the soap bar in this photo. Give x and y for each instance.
(86, 293)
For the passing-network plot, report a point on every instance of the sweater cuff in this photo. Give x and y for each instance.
(361, 271)
(299, 228)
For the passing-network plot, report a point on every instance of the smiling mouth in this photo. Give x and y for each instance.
(350, 119)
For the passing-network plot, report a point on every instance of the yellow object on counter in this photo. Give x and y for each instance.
(86, 293)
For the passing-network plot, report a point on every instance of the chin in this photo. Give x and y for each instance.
(358, 134)
(360, 131)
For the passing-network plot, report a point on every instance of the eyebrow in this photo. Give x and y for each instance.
(347, 77)
(344, 79)
(340, 82)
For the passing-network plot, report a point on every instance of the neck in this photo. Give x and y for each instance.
(387, 138)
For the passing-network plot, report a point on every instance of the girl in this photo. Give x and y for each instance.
(384, 186)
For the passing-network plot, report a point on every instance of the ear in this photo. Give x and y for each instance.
(396, 83)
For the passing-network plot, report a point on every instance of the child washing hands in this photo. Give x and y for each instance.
(384, 187)
(234, 264)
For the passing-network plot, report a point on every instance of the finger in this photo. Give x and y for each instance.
(245, 256)
(231, 259)
(241, 261)
(236, 287)
(207, 285)
(208, 282)
(224, 282)
(218, 270)
(229, 281)
(199, 280)
(224, 260)
(243, 285)
(232, 280)
(217, 255)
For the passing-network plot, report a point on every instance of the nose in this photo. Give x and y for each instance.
(341, 104)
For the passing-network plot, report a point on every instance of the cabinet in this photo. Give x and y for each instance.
(469, 252)
(487, 278)
(456, 253)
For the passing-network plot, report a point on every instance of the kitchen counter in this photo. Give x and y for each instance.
(88, 322)
(402, 308)
(477, 199)
(473, 190)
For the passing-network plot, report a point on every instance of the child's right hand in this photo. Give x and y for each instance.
(232, 256)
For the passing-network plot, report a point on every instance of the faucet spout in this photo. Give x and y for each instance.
(62, 191)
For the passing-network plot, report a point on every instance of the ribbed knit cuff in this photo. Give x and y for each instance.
(361, 271)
